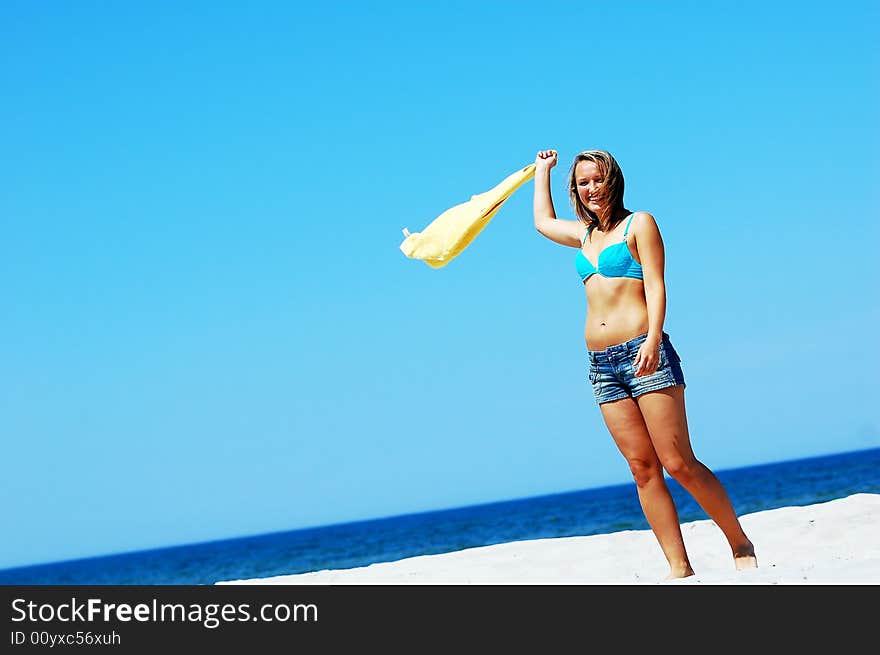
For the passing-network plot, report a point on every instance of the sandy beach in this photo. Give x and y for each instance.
(835, 542)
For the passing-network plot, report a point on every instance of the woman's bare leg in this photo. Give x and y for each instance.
(627, 427)
(664, 414)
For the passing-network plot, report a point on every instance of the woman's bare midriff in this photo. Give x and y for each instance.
(616, 311)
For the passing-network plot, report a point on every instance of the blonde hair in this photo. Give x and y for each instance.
(612, 189)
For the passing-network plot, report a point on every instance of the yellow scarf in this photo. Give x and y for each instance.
(453, 230)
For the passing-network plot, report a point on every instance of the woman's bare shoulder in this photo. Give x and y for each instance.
(643, 221)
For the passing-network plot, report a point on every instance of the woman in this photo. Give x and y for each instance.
(634, 370)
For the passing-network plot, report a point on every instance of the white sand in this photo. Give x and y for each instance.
(836, 542)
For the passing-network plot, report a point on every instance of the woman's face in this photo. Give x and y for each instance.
(589, 185)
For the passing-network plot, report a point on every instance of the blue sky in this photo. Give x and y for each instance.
(209, 330)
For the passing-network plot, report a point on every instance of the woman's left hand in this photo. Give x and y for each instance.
(648, 358)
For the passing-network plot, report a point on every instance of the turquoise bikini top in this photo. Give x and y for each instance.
(614, 261)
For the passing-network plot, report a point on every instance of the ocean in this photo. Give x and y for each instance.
(348, 545)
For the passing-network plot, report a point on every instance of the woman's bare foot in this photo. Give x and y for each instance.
(677, 571)
(744, 557)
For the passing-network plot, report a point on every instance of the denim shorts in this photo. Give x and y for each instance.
(612, 372)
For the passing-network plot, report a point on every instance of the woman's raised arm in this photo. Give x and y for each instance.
(568, 233)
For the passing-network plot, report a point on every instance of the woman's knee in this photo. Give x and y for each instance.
(683, 469)
(644, 471)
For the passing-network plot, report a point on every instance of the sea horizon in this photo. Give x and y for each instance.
(593, 510)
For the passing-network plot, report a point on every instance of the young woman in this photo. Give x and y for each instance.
(634, 370)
